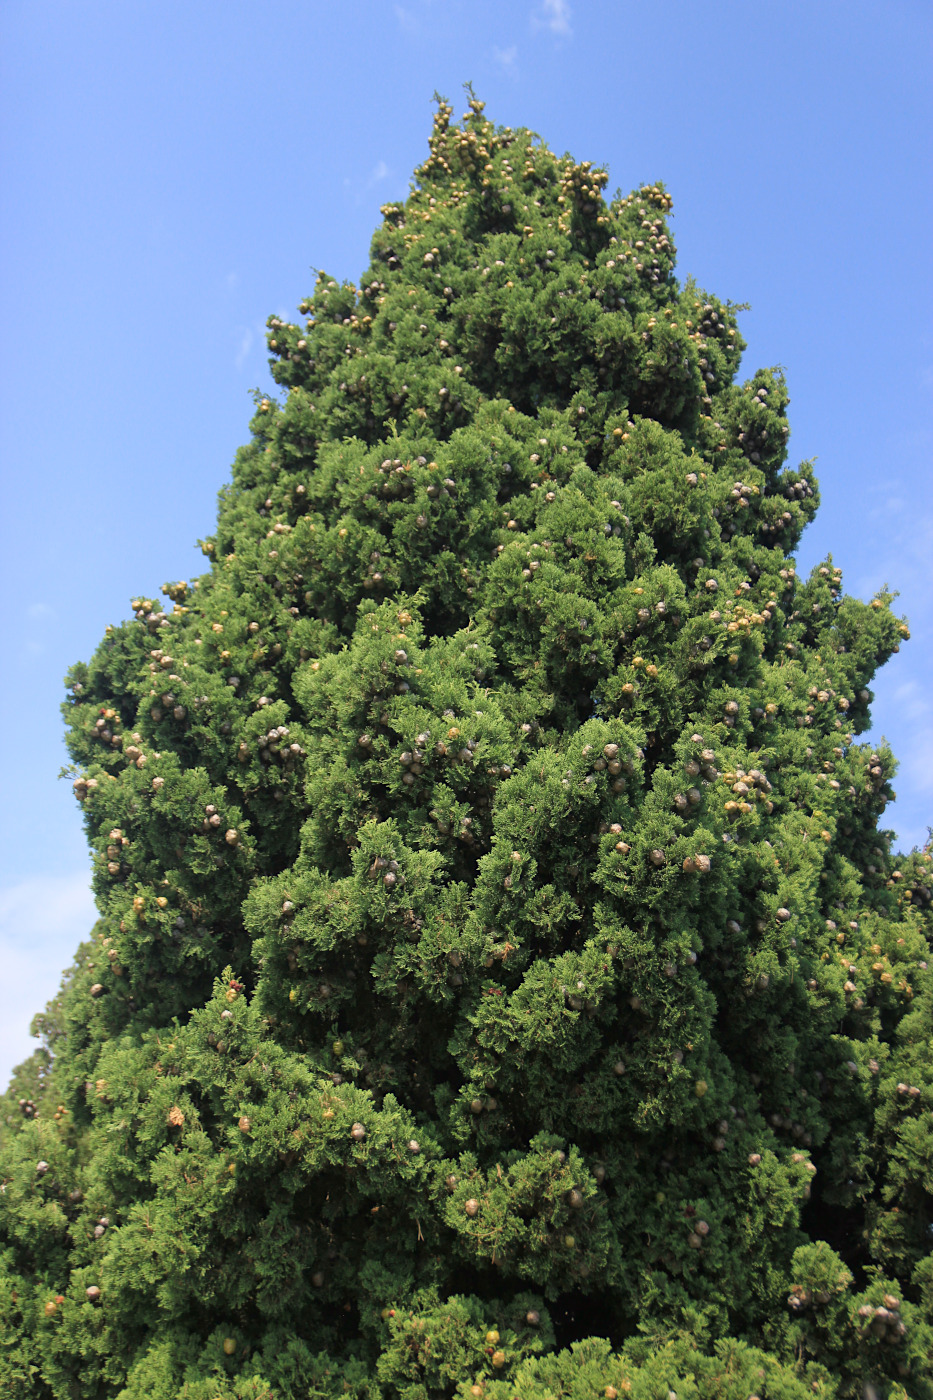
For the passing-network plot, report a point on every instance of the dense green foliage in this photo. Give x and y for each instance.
(502, 986)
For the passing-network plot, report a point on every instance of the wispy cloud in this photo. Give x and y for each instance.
(380, 172)
(915, 714)
(42, 922)
(505, 58)
(555, 16)
(246, 344)
(923, 758)
(39, 616)
(406, 20)
(38, 909)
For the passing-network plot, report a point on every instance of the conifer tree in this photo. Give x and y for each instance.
(502, 984)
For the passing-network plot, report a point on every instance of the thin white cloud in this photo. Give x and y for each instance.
(36, 611)
(505, 58)
(380, 172)
(246, 343)
(555, 16)
(406, 20)
(915, 713)
(42, 922)
(922, 763)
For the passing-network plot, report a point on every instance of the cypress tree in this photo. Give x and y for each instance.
(502, 984)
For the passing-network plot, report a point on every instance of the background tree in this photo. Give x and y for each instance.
(502, 984)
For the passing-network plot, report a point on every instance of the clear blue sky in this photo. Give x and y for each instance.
(170, 174)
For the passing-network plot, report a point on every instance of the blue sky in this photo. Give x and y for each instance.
(170, 174)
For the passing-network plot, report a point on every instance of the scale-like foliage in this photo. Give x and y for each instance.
(502, 986)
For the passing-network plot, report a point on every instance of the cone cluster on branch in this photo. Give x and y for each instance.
(502, 984)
